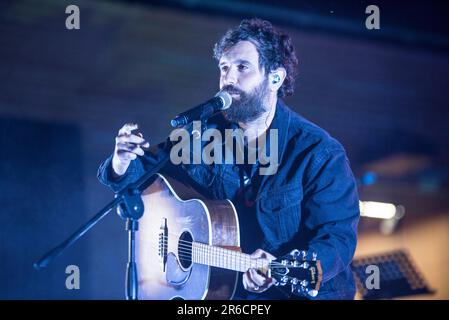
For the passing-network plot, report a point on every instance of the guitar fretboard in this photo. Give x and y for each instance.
(225, 258)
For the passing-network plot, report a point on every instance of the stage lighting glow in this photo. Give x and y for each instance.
(379, 210)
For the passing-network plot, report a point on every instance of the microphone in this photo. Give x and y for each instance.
(221, 101)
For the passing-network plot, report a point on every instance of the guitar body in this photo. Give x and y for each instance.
(175, 215)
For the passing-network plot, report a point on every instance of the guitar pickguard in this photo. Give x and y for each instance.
(175, 275)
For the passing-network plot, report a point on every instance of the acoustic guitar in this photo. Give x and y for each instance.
(188, 247)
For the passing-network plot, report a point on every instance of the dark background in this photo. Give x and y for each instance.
(65, 93)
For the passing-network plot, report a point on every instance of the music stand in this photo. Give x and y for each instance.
(398, 276)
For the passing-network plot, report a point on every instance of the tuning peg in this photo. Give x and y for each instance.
(297, 286)
(284, 280)
(295, 253)
(314, 255)
(299, 255)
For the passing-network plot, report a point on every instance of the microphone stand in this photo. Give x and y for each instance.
(130, 204)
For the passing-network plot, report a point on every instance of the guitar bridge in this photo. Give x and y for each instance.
(163, 243)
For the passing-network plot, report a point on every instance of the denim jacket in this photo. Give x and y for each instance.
(310, 203)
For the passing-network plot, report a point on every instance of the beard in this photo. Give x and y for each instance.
(249, 106)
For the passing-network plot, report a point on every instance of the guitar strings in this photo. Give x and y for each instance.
(187, 246)
(240, 261)
(205, 248)
(185, 251)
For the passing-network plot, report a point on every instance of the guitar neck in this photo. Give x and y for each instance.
(226, 258)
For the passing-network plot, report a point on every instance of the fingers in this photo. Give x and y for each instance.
(259, 253)
(145, 144)
(126, 155)
(129, 145)
(256, 282)
(128, 148)
(128, 128)
(125, 134)
(248, 284)
(258, 279)
(130, 138)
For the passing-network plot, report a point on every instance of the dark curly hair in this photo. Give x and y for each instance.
(275, 49)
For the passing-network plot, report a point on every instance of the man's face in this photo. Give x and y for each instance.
(241, 77)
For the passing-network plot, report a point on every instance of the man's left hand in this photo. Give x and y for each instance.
(254, 280)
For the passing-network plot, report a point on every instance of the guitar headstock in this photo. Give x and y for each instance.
(296, 270)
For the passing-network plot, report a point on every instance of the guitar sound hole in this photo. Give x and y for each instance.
(185, 249)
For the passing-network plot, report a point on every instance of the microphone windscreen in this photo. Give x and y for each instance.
(226, 98)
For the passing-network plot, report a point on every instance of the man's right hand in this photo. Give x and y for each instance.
(127, 147)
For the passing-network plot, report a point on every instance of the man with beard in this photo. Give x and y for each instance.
(310, 203)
